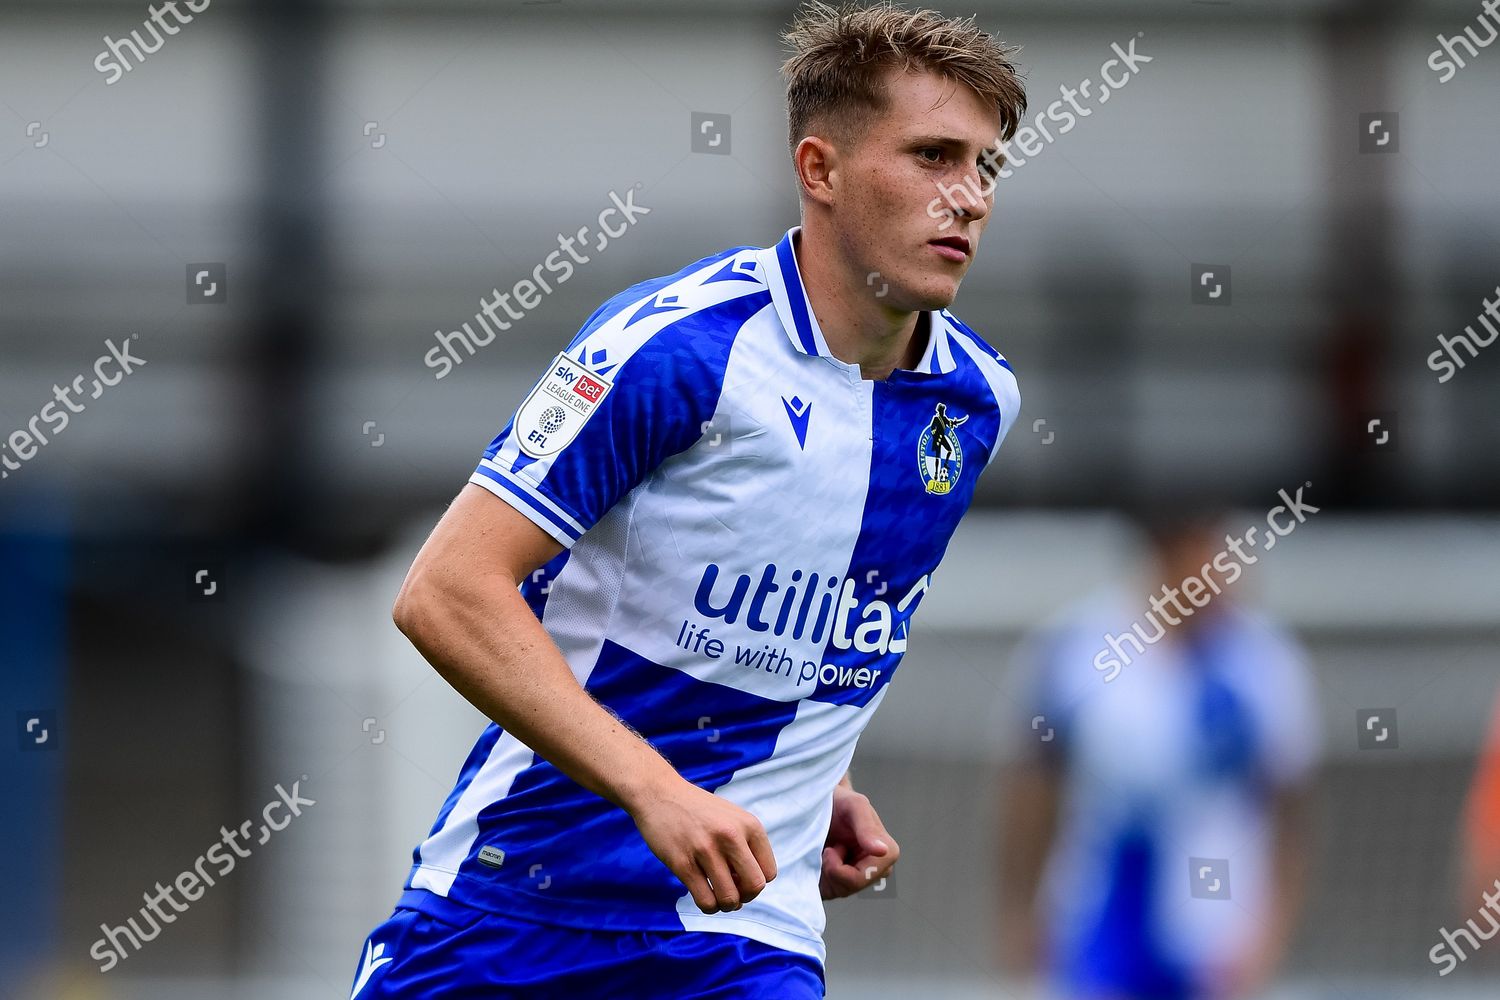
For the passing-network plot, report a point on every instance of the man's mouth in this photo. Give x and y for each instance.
(955, 248)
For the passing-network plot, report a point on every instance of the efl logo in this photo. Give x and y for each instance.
(588, 388)
(558, 407)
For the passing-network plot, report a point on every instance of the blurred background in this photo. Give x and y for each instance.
(1231, 276)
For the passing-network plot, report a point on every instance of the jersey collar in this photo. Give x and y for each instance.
(779, 265)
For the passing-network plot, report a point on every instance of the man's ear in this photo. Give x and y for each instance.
(816, 162)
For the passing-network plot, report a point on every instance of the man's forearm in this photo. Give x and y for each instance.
(479, 634)
(1291, 823)
(1029, 825)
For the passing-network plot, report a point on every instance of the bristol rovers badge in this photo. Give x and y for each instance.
(940, 458)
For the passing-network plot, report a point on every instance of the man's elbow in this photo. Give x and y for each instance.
(415, 604)
(444, 592)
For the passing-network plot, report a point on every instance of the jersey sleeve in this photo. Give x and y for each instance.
(604, 415)
(1290, 714)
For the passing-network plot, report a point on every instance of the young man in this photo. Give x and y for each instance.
(722, 504)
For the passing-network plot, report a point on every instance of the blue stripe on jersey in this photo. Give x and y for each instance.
(1121, 953)
(976, 338)
(796, 298)
(537, 587)
(639, 291)
(604, 314)
(597, 869)
(905, 530)
(522, 459)
(477, 756)
(1226, 732)
(529, 500)
(662, 397)
(745, 271)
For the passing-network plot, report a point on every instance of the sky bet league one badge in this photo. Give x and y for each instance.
(559, 406)
(940, 458)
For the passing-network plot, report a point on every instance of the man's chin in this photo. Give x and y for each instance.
(934, 296)
(935, 292)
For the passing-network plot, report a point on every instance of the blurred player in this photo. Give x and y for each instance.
(1155, 842)
(719, 505)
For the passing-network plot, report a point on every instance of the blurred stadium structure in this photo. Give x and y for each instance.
(199, 568)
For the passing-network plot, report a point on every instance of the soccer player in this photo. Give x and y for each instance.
(1156, 844)
(718, 503)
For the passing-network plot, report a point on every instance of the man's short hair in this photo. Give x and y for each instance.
(840, 57)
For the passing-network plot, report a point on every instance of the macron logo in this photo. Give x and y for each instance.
(372, 962)
(798, 413)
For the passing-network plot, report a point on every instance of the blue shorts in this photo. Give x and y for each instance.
(458, 952)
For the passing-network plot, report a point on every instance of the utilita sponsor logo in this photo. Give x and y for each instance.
(775, 603)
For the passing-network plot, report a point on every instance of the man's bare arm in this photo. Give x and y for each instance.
(1030, 807)
(1292, 824)
(461, 607)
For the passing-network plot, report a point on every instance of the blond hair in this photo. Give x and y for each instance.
(840, 56)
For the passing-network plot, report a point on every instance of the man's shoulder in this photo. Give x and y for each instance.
(690, 292)
(975, 358)
(686, 290)
(975, 345)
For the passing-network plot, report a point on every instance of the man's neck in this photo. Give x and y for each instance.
(858, 327)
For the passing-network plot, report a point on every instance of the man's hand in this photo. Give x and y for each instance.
(717, 850)
(858, 851)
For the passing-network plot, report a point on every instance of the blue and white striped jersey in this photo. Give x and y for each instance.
(1161, 875)
(749, 526)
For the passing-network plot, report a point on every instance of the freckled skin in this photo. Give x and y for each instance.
(865, 201)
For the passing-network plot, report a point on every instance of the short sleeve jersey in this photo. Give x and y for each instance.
(748, 528)
(1162, 868)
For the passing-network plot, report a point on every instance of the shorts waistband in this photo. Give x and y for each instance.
(428, 902)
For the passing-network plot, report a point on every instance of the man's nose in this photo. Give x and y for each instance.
(971, 204)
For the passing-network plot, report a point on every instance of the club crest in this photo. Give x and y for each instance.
(940, 457)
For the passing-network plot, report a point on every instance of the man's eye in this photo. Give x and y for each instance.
(937, 154)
